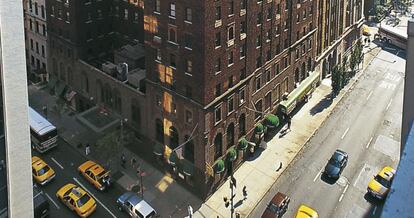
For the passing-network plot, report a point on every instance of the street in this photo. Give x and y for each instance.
(64, 159)
(366, 125)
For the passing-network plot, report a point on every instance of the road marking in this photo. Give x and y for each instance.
(76, 180)
(369, 95)
(346, 131)
(370, 140)
(54, 203)
(389, 104)
(359, 175)
(343, 193)
(57, 163)
(375, 210)
(317, 175)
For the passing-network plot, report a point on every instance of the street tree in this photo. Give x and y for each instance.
(336, 80)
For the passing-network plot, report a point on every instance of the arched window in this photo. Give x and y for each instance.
(230, 135)
(159, 131)
(296, 75)
(242, 125)
(309, 64)
(218, 146)
(173, 137)
(189, 150)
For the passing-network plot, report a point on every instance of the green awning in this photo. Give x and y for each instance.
(159, 149)
(173, 159)
(187, 167)
(219, 166)
(259, 128)
(231, 154)
(272, 120)
(243, 143)
(60, 88)
(287, 106)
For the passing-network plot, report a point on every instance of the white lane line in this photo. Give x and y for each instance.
(343, 193)
(389, 104)
(359, 175)
(54, 203)
(375, 210)
(317, 175)
(369, 95)
(76, 180)
(57, 163)
(346, 131)
(370, 140)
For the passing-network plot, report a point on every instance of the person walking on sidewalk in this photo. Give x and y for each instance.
(289, 121)
(87, 149)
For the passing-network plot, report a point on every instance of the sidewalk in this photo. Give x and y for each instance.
(259, 174)
(161, 191)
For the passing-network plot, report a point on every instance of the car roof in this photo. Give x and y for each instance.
(305, 211)
(387, 172)
(278, 198)
(144, 208)
(38, 163)
(92, 166)
(76, 191)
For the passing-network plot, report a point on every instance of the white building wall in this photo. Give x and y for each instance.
(36, 34)
(15, 106)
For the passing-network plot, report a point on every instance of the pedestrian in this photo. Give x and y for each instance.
(123, 161)
(87, 149)
(289, 120)
(280, 166)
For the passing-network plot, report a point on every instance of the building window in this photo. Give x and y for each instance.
(158, 54)
(242, 125)
(173, 61)
(157, 5)
(188, 14)
(258, 40)
(218, 13)
(258, 62)
(258, 83)
(243, 73)
(188, 91)
(217, 66)
(277, 93)
(172, 37)
(231, 8)
(31, 44)
(242, 96)
(230, 59)
(268, 55)
(231, 81)
(277, 68)
(268, 100)
(43, 51)
(230, 33)
(172, 10)
(188, 116)
(230, 105)
(259, 18)
(217, 114)
(218, 39)
(42, 11)
(159, 131)
(258, 108)
(189, 67)
(188, 41)
(268, 75)
(218, 146)
(36, 8)
(217, 90)
(242, 51)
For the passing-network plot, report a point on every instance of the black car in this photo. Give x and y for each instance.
(40, 203)
(336, 164)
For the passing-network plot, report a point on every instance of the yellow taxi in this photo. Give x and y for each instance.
(42, 173)
(306, 212)
(365, 30)
(76, 199)
(379, 186)
(95, 174)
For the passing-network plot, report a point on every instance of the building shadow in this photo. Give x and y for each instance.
(322, 105)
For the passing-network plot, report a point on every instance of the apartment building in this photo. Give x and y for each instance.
(36, 36)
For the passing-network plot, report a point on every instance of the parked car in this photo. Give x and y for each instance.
(41, 171)
(40, 203)
(336, 164)
(77, 199)
(95, 174)
(135, 206)
(379, 186)
(365, 30)
(277, 206)
(306, 212)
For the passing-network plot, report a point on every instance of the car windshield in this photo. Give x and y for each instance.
(43, 170)
(83, 200)
(382, 181)
(334, 162)
(151, 215)
(273, 208)
(101, 174)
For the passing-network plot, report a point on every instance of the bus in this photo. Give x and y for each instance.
(393, 36)
(42, 133)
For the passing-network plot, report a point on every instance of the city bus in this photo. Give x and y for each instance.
(43, 134)
(393, 36)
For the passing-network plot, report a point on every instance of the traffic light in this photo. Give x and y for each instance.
(226, 202)
(244, 192)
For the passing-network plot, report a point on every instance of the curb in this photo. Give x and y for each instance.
(339, 99)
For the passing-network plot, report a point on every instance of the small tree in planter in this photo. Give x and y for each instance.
(336, 80)
(271, 121)
(259, 130)
(219, 166)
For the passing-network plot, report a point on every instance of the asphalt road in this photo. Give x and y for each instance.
(365, 124)
(65, 160)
